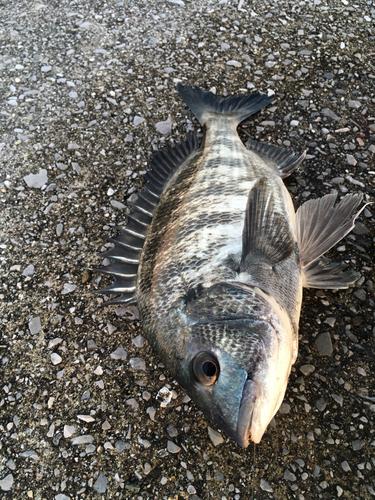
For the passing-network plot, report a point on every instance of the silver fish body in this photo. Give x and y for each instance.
(221, 266)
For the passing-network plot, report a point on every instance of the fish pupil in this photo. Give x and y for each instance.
(209, 369)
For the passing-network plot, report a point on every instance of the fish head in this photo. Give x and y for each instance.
(266, 382)
(236, 370)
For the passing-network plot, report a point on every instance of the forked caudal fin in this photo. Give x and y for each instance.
(205, 104)
(319, 226)
(129, 243)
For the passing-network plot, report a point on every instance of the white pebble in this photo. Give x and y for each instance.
(68, 287)
(69, 430)
(172, 447)
(35, 325)
(119, 353)
(86, 418)
(99, 371)
(54, 342)
(28, 271)
(215, 437)
(36, 180)
(55, 358)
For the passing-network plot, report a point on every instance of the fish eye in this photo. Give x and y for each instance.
(205, 368)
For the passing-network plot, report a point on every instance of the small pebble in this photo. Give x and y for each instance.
(120, 446)
(164, 127)
(215, 437)
(354, 104)
(172, 431)
(321, 404)
(345, 466)
(289, 476)
(28, 271)
(265, 486)
(137, 364)
(133, 403)
(68, 288)
(146, 395)
(36, 180)
(138, 120)
(143, 442)
(360, 294)
(59, 229)
(99, 371)
(338, 399)
(324, 344)
(307, 369)
(69, 430)
(358, 445)
(100, 485)
(119, 353)
(54, 342)
(35, 325)
(234, 63)
(151, 412)
(172, 447)
(55, 358)
(106, 426)
(351, 160)
(84, 439)
(138, 341)
(86, 418)
(330, 321)
(30, 454)
(7, 482)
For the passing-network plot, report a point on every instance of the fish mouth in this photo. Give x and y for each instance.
(250, 394)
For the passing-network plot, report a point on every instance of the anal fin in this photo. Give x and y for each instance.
(285, 159)
(267, 235)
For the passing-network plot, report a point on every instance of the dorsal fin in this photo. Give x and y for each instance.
(129, 242)
(285, 159)
(267, 235)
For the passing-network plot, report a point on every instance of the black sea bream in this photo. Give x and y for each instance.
(216, 258)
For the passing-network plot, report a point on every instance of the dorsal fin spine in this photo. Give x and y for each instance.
(130, 241)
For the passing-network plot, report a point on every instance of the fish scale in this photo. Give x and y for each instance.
(211, 219)
(216, 259)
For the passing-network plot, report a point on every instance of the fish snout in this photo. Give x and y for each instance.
(251, 393)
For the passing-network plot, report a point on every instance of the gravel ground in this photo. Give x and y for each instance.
(88, 93)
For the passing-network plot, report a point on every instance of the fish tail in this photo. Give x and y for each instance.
(206, 105)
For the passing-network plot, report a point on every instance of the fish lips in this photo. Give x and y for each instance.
(251, 392)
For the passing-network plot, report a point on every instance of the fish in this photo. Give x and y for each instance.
(216, 259)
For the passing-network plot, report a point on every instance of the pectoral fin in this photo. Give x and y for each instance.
(323, 273)
(319, 226)
(267, 236)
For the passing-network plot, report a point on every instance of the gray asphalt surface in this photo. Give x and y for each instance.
(87, 94)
